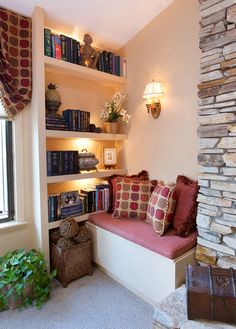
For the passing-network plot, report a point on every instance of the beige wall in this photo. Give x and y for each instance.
(165, 50)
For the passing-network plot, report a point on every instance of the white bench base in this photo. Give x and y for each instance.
(146, 273)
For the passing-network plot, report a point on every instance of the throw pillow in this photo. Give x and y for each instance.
(132, 197)
(142, 175)
(161, 208)
(184, 220)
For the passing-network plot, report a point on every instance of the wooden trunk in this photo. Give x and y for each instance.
(73, 262)
(211, 293)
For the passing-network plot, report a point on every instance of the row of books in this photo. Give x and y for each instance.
(77, 120)
(69, 50)
(111, 63)
(61, 47)
(62, 163)
(75, 203)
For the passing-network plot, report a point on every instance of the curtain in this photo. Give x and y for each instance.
(15, 61)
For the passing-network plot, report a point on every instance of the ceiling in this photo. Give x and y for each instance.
(111, 23)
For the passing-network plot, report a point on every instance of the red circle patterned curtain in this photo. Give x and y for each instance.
(15, 61)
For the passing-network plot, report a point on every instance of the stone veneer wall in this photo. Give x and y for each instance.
(216, 219)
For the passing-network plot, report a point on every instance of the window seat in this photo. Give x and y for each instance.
(130, 252)
(169, 245)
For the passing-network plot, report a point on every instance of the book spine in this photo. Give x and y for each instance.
(79, 53)
(118, 65)
(54, 163)
(78, 120)
(63, 47)
(49, 163)
(75, 162)
(68, 49)
(114, 64)
(88, 120)
(124, 63)
(70, 162)
(110, 59)
(53, 50)
(60, 163)
(75, 51)
(121, 66)
(66, 162)
(57, 46)
(47, 42)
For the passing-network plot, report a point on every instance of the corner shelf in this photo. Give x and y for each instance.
(75, 135)
(78, 219)
(58, 66)
(94, 174)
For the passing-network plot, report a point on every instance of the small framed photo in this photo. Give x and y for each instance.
(109, 157)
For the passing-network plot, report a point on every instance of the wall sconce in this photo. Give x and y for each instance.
(152, 92)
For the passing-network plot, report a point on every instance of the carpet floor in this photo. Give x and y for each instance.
(92, 302)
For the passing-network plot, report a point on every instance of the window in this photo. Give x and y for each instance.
(7, 211)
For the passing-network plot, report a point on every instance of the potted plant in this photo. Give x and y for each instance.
(114, 110)
(24, 279)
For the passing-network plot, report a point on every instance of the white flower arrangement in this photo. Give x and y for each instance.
(114, 110)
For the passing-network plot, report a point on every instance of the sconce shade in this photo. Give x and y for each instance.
(151, 93)
(153, 90)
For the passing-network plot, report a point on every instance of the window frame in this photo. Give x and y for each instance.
(9, 171)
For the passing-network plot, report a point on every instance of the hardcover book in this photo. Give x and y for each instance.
(69, 199)
(47, 42)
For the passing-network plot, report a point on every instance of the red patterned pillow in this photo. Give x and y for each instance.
(142, 175)
(161, 208)
(132, 197)
(184, 220)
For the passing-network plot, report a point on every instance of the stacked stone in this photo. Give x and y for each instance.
(216, 217)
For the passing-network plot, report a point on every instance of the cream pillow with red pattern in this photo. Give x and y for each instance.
(132, 196)
(161, 208)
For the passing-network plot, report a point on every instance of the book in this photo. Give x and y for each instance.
(118, 65)
(63, 47)
(57, 41)
(53, 50)
(49, 163)
(69, 199)
(76, 210)
(47, 42)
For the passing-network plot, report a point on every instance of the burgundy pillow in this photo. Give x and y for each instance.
(184, 220)
(142, 175)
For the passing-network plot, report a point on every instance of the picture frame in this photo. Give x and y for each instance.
(109, 157)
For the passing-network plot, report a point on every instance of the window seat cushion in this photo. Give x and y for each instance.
(168, 245)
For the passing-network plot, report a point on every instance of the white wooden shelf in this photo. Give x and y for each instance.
(54, 65)
(92, 174)
(76, 135)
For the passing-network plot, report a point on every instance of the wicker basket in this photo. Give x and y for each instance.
(73, 262)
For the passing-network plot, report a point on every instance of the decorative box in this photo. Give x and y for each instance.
(73, 262)
(211, 293)
(87, 160)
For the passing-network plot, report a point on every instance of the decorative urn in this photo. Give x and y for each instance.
(53, 101)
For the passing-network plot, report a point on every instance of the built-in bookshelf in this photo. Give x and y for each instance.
(89, 81)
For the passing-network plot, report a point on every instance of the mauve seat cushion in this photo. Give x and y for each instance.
(168, 245)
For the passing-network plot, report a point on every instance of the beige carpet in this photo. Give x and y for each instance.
(95, 302)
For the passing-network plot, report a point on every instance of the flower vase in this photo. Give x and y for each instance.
(110, 127)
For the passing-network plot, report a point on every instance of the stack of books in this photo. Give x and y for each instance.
(56, 123)
(77, 120)
(62, 163)
(69, 50)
